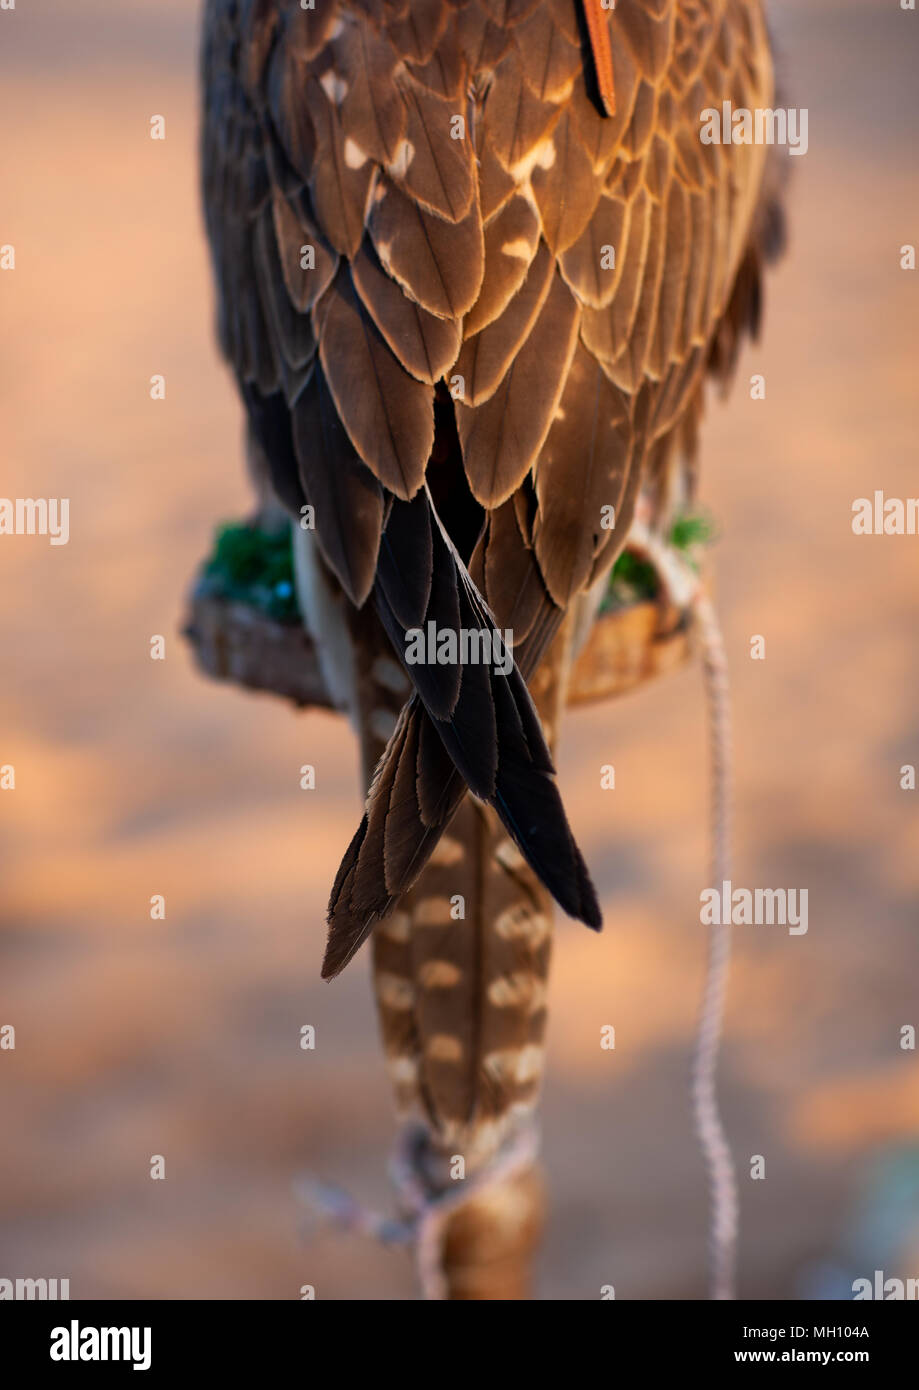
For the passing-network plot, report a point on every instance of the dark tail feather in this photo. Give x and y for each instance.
(396, 837)
(489, 739)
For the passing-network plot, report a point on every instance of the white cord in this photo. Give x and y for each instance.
(709, 1128)
(426, 1211)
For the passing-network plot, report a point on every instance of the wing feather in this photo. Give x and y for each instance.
(502, 438)
(389, 415)
(438, 263)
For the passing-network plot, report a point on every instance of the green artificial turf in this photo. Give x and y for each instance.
(633, 580)
(257, 567)
(254, 567)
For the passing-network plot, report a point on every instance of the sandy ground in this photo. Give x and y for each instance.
(180, 1037)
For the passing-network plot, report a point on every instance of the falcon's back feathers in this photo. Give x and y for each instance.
(470, 313)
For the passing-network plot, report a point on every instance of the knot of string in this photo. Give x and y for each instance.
(425, 1208)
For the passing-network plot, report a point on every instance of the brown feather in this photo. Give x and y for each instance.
(339, 187)
(308, 30)
(389, 415)
(287, 78)
(675, 274)
(347, 498)
(438, 263)
(486, 358)
(565, 188)
(634, 361)
(501, 439)
(511, 239)
(581, 470)
(431, 165)
(511, 578)
(415, 34)
(290, 330)
(373, 112)
(605, 332)
(496, 185)
(549, 61)
(444, 72)
(425, 345)
(482, 40)
(516, 120)
(584, 263)
(508, 12)
(648, 32)
(295, 237)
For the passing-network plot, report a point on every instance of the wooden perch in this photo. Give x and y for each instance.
(234, 641)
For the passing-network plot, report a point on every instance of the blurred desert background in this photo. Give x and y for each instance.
(134, 777)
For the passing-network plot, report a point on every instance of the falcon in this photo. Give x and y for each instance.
(474, 266)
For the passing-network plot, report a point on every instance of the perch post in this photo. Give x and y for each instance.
(475, 1240)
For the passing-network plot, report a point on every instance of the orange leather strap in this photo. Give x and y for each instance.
(596, 13)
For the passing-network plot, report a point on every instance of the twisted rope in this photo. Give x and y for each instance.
(427, 1209)
(709, 1128)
